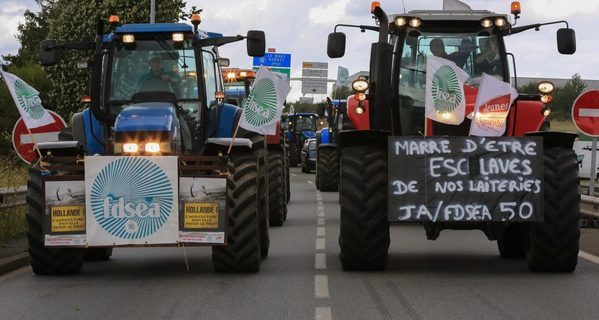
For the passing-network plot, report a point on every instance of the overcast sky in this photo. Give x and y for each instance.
(301, 28)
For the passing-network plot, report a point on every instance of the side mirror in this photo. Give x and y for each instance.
(256, 43)
(223, 62)
(566, 41)
(336, 45)
(49, 52)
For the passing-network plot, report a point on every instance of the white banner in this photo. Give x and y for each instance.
(445, 100)
(492, 107)
(264, 105)
(342, 77)
(27, 101)
(131, 200)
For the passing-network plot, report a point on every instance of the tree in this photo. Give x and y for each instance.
(563, 97)
(342, 92)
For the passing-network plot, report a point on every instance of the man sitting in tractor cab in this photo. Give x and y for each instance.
(437, 47)
(157, 79)
(488, 60)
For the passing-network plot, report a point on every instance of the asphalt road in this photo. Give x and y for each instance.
(459, 276)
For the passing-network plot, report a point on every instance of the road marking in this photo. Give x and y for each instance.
(588, 256)
(320, 232)
(319, 207)
(310, 181)
(323, 313)
(293, 174)
(320, 221)
(321, 214)
(320, 261)
(321, 287)
(320, 244)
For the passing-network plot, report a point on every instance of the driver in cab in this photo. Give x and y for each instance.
(157, 72)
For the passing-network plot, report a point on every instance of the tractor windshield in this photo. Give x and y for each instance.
(155, 65)
(305, 123)
(474, 52)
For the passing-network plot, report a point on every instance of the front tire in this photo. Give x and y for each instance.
(46, 260)
(242, 252)
(276, 176)
(327, 168)
(364, 235)
(553, 244)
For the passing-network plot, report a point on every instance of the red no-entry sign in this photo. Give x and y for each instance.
(22, 141)
(585, 112)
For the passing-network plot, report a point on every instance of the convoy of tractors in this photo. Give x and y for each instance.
(157, 157)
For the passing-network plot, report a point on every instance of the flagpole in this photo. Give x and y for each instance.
(34, 143)
(234, 136)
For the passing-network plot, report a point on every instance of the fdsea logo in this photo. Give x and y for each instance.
(131, 198)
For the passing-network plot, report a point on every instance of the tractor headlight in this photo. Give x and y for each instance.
(360, 96)
(128, 38)
(500, 22)
(486, 23)
(545, 87)
(401, 21)
(360, 85)
(359, 110)
(152, 147)
(546, 98)
(130, 147)
(415, 22)
(178, 37)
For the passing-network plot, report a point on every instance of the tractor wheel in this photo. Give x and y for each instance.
(287, 185)
(512, 241)
(46, 260)
(364, 235)
(276, 195)
(242, 252)
(261, 153)
(294, 155)
(98, 254)
(553, 243)
(328, 169)
(317, 177)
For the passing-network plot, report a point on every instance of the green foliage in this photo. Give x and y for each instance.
(301, 107)
(342, 92)
(76, 20)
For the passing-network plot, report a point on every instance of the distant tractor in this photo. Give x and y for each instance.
(300, 126)
(327, 159)
(237, 88)
(520, 188)
(152, 161)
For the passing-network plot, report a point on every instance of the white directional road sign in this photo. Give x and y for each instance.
(315, 65)
(315, 73)
(314, 85)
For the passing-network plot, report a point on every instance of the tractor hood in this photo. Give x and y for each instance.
(307, 134)
(147, 117)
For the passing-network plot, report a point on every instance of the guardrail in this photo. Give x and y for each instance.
(12, 197)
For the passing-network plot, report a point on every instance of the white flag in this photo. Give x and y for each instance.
(342, 77)
(455, 5)
(27, 101)
(264, 105)
(445, 100)
(492, 107)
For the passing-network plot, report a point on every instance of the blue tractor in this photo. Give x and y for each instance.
(327, 156)
(152, 160)
(300, 127)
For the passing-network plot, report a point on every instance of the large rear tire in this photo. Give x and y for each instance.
(261, 153)
(46, 260)
(294, 155)
(364, 235)
(276, 192)
(553, 244)
(242, 252)
(512, 242)
(327, 168)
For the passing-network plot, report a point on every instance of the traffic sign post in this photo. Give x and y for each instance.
(276, 62)
(585, 114)
(314, 77)
(24, 140)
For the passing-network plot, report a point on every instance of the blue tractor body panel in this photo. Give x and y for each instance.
(94, 133)
(324, 136)
(308, 134)
(149, 116)
(226, 121)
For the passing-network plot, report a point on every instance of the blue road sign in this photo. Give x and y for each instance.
(279, 60)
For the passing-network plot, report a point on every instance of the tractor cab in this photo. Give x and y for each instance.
(237, 84)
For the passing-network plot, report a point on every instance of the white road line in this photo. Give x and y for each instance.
(321, 287)
(320, 221)
(319, 207)
(320, 244)
(323, 313)
(310, 181)
(320, 261)
(321, 214)
(293, 174)
(320, 232)
(588, 256)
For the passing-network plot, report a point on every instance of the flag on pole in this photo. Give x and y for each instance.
(445, 100)
(342, 77)
(492, 107)
(455, 5)
(27, 101)
(264, 105)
